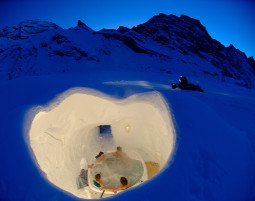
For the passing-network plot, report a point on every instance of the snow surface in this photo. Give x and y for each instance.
(215, 144)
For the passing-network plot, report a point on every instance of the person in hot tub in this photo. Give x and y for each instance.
(98, 157)
(97, 182)
(124, 185)
(119, 153)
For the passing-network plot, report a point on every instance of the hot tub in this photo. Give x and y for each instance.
(112, 167)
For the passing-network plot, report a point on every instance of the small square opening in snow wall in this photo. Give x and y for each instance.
(105, 130)
(105, 138)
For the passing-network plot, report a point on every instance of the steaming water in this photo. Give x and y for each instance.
(113, 167)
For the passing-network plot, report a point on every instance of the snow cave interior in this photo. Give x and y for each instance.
(67, 130)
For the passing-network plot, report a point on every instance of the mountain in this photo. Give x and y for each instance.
(166, 43)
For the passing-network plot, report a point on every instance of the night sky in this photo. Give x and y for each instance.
(228, 21)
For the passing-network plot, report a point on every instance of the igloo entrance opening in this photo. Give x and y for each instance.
(105, 139)
(67, 130)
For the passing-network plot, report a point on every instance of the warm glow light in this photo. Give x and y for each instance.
(127, 128)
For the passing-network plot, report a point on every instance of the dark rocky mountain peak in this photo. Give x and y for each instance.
(82, 25)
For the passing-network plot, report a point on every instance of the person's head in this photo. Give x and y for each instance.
(100, 155)
(123, 181)
(98, 177)
(119, 149)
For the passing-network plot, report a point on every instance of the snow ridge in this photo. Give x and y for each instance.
(26, 29)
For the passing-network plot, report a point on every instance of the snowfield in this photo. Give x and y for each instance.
(212, 155)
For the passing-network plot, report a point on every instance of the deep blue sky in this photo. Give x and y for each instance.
(228, 21)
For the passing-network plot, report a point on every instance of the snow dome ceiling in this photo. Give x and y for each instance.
(64, 132)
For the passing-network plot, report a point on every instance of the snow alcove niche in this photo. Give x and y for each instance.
(68, 129)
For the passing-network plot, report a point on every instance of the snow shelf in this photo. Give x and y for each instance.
(67, 130)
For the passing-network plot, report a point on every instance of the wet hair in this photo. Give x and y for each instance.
(119, 148)
(123, 181)
(100, 153)
(98, 177)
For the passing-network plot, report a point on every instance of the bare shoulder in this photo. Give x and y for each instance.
(125, 187)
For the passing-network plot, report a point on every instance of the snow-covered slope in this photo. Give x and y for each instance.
(166, 43)
(215, 146)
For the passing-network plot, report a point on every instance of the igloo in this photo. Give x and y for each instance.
(66, 130)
